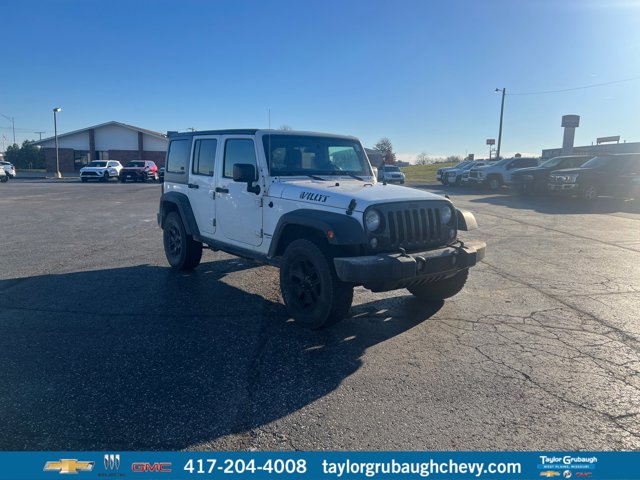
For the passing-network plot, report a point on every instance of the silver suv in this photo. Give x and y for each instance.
(309, 204)
(390, 174)
(499, 173)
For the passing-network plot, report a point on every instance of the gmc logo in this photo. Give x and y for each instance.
(151, 467)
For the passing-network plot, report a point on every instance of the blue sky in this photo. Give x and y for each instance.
(422, 73)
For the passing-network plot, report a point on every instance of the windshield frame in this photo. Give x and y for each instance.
(93, 163)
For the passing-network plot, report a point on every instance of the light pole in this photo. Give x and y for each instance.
(504, 92)
(55, 130)
(13, 126)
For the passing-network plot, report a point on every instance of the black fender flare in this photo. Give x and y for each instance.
(181, 201)
(346, 229)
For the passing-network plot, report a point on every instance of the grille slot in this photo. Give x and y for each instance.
(414, 227)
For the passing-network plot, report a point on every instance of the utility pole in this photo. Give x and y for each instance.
(504, 92)
(39, 133)
(13, 126)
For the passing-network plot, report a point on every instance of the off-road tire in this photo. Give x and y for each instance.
(312, 292)
(181, 250)
(433, 292)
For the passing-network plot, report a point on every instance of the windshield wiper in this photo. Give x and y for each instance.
(315, 177)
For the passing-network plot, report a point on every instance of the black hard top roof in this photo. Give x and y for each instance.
(233, 131)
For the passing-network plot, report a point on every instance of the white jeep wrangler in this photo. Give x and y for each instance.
(310, 204)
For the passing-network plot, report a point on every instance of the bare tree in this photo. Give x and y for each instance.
(422, 158)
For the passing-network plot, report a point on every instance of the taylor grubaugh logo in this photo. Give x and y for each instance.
(68, 465)
(112, 461)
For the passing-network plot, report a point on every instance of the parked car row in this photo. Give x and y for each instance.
(584, 176)
(105, 170)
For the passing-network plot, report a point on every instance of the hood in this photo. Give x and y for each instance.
(571, 171)
(531, 170)
(93, 169)
(327, 194)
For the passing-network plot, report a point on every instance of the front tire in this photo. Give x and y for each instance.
(105, 177)
(312, 292)
(84, 180)
(589, 192)
(494, 183)
(181, 250)
(437, 291)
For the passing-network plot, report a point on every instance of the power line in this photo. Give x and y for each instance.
(543, 92)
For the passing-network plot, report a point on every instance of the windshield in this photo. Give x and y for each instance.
(292, 155)
(135, 164)
(97, 164)
(390, 168)
(462, 164)
(597, 162)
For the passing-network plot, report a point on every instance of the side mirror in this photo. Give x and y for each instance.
(246, 173)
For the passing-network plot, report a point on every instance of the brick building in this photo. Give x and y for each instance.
(107, 141)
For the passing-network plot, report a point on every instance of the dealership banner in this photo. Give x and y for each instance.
(320, 465)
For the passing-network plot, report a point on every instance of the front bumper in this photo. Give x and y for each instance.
(390, 271)
(562, 187)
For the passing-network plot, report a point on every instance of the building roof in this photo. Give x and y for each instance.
(113, 122)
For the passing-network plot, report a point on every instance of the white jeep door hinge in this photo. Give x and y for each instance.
(213, 222)
(259, 233)
(259, 202)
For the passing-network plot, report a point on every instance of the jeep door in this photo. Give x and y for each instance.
(239, 211)
(202, 183)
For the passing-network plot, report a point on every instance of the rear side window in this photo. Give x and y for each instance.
(237, 151)
(178, 156)
(204, 156)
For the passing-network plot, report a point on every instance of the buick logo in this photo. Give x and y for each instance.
(112, 461)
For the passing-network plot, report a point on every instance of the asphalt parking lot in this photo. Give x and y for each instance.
(103, 347)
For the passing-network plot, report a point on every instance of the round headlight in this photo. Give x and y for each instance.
(372, 220)
(445, 215)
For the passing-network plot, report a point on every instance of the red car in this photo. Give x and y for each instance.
(139, 171)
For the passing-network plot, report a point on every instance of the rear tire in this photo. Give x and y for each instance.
(181, 250)
(433, 292)
(312, 292)
(4, 178)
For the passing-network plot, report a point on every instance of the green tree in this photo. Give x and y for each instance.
(26, 156)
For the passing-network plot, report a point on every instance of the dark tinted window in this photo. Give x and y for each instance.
(236, 151)
(178, 157)
(204, 155)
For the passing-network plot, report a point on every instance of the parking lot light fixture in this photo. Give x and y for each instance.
(55, 130)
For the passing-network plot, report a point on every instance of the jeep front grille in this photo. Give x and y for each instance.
(412, 226)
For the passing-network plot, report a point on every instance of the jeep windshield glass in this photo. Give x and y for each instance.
(97, 164)
(300, 155)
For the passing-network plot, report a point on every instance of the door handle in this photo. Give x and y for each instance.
(193, 185)
(222, 190)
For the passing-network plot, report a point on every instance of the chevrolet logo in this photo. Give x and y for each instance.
(549, 474)
(68, 466)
